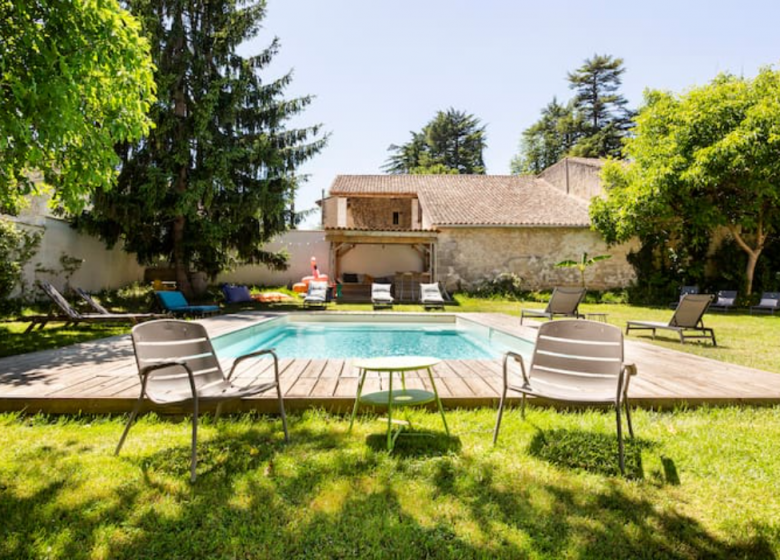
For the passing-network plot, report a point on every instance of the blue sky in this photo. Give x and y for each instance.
(381, 69)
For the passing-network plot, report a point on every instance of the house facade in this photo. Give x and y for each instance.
(461, 230)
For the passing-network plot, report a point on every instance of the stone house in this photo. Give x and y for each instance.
(463, 229)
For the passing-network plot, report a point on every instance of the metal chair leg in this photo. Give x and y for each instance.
(522, 407)
(500, 414)
(628, 417)
(620, 441)
(130, 421)
(194, 457)
(281, 410)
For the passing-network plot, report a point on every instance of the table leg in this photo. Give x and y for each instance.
(438, 400)
(390, 440)
(357, 398)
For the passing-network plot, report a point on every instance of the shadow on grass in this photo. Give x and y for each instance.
(413, 443)
(317, 497)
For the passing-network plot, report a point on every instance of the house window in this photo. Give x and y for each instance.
(396, 218)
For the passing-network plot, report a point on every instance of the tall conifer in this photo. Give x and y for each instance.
(216, 178)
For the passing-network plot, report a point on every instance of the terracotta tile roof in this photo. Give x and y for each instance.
(476, 200)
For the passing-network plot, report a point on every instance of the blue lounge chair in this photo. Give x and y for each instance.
(174, 302)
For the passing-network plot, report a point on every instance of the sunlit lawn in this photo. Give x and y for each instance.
(700, 484)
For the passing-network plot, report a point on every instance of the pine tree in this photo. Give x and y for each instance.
(452, 142)
(601, 108)
(548, 140)
(216, 178)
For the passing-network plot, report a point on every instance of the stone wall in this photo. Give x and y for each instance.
(466, 256)
(377, 213)
(578, 178)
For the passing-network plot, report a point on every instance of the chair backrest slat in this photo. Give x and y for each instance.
(690, 310)
(171, 340)
(576, 354)
(91, 302)
(565, 300)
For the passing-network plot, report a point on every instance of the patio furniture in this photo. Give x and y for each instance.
(72, 317)
(577, 362)
(175, 302)
(381, 296)
(564, 302)
(87, 297)
(686, 321)
(430, 296)
(770, 302)
(236, 294)
(178, 366)
(726, 299)
(394, 397)
(317, 295)
(684, 291)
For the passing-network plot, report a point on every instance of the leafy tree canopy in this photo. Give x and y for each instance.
(452, 143)
(216, 178)
(593, 124)
(75, 77)
(705, 159)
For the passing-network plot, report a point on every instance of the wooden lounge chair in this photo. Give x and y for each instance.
(89, 300)
(564, 302)
(726, 299)
(381, 296)
(430, 296)
(175, 302)
(770, 302)
(317, 295)
(72, 317)
(686, 321)
(577, 362)
(178, 366)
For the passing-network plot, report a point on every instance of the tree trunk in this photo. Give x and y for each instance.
(752, 252)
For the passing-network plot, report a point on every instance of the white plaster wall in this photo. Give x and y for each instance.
(381, 260)
(301, 247)
(102, 268)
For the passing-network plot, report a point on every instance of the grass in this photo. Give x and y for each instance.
(748, 340)
(548, 490)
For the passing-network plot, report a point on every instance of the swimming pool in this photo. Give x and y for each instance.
(362, 337)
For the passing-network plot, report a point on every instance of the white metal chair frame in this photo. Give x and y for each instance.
(214, 376)
(577, 362)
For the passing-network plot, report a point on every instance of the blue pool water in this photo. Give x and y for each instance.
(368, 340)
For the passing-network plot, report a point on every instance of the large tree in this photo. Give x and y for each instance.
(592, 124)
(703, 160)
(452, 142)
(75, 78)
(217, 177)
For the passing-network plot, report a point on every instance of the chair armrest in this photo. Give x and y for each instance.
(149, 369)
(519, 359)
(240, 359)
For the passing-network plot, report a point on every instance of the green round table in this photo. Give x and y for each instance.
(398, 397)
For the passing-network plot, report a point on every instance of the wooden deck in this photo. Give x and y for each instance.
(101, 377)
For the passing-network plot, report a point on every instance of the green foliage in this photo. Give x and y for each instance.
(17, 247)
(505, 285)
(593, 124)
(700, 161)
(583, 264)
(217, 176)
(76, 79)
(451, 143)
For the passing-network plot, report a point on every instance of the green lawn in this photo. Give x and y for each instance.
(702, 483)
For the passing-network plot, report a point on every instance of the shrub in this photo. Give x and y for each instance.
(506, 285)
(17, 247)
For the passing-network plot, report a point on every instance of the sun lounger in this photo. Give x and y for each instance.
(684, 291)
(72, 317)
(577, 362)
(89, 300)
(176, 303)
(178, 366)
(317, 295)
(430, 296)
(381, 296)
(564, 302)
(770, 302)
(726, 300)
(686, 321)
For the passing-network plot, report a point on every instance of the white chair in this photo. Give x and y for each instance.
(578, 362)
(317, 295)
(178, 366)
(430, 296)
(381, 296)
